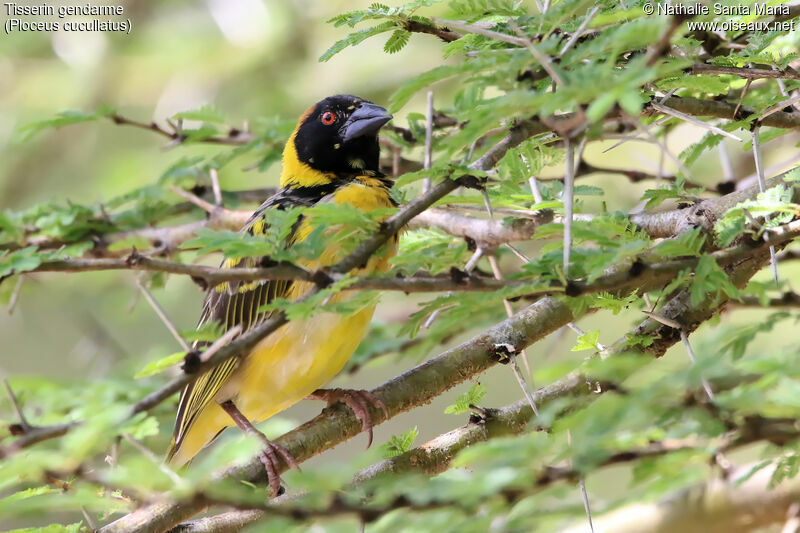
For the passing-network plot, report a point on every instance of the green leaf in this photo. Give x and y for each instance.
(694, 151)
(785, 468)
(9, 227)
(473, 8)
(774, 203)
(65, 118)
(399, 444)
(206, 113)
(155, 367)
(472, 397)
(404, 93)
(397, 41)
(207, 332)
(688, 243)
(710, 281)
(356, 38)
(21, 260)
(587, 341)
(737, 339)
(52, 528)
(702, 85)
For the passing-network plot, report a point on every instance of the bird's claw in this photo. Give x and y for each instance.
(359, 401)
(271, 457)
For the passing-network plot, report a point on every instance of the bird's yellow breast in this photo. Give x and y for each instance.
(303, 355)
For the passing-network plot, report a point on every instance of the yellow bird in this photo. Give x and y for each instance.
(332, 156)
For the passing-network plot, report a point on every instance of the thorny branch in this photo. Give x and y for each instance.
(420, 384)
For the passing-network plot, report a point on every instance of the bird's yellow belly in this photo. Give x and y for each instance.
(296, 360)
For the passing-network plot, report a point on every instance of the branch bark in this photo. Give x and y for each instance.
(411, 389)
(717, 506)
(744, 72)
(714, 108)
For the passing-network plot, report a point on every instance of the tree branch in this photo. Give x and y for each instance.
(411, 389)
(428, 380)
(744, 72)
(235, 136)
(732, 505)
(714, 108)
(435, 456)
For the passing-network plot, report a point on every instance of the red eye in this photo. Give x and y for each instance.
(328, 118)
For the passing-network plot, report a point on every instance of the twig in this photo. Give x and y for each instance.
(663, 44)
(521, 379)
(535, 192)
(781, 83)
(712, 108)
(744, 501)
(23, 422)
(762, 187)
(12, 302)
(743, 72)
(575, 36)
(471, 28)
(522, 257)
(685, 340)
(646, 130)
(426, 183)
(175, 478)
(162, 315)
(582, 485)
(220, 342)
(683, 116)
(215, 187)
(585, 498)
(487, 204)
(473, 260)
(235, 137)
(540, 56)
(199, 202)
(741, 99)
(569, 181)
(419, 26)
(468, 267)
(779, 106)
(627, 138)
(789, 299)
(89, 521)
(693, 359)
(725, 163)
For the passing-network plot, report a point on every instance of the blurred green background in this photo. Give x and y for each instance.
(249, 59)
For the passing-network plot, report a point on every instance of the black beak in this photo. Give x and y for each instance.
(366, 120)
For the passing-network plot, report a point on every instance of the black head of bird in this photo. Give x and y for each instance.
(339, 135)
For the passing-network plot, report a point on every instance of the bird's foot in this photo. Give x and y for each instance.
(359, 401)
(272, 453)
(271, 457)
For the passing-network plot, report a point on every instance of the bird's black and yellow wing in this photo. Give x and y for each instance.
(237, 303)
